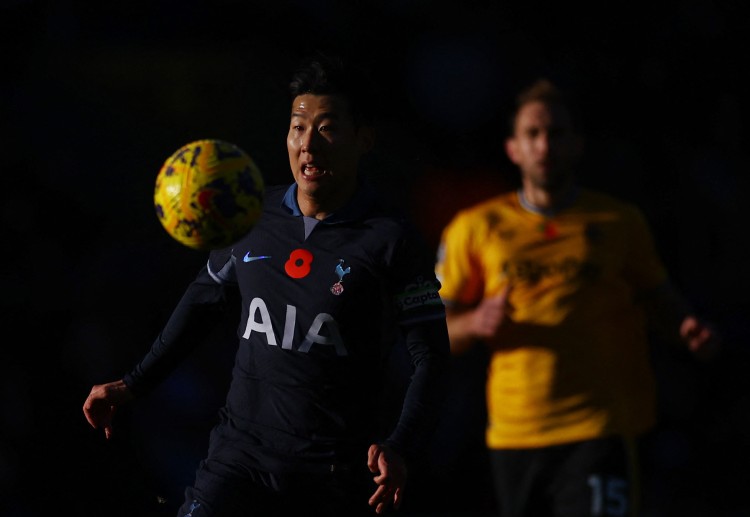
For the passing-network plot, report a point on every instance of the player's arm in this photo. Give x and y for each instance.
(194, 317)
(199, 310)
(670, 315)
(483, 322)
(427, 343)
(472, 316)
(460, 328)
(672, 318)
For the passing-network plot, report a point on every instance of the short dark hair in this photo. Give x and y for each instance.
(324, 74)
(542, 90)
(547, 92)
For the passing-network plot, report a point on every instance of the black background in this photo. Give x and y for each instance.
(95, 98)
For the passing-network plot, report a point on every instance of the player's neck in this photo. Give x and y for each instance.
(547, 201)
(310, 208)
(321, 206)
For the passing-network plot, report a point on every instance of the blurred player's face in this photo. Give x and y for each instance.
(544, 146)
(324, 148)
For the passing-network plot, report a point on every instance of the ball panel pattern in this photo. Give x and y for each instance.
(208, 194)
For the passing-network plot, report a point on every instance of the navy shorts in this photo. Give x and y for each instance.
(221, 490)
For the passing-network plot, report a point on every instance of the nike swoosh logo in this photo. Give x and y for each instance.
(248, 258)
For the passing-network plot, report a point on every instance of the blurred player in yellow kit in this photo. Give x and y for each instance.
(563, 284)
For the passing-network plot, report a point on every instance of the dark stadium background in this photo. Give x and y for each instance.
(96, 97)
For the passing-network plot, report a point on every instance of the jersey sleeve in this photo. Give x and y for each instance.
(421, 317)
(204, 302)
(414, 287)
(458, 271)
(427, 344)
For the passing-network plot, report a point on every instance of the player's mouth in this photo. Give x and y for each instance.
(311, 170)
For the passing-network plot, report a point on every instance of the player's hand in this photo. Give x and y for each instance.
(390, 476)
(101, 404)
(490, 314)
(702, 340)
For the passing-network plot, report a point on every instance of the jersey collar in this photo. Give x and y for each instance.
(564, 203)
(360, 203)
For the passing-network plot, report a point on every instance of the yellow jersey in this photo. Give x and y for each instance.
(573, 362)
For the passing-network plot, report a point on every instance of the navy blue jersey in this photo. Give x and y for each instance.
(322, 303)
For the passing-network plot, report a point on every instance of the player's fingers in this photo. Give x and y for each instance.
(505, 295)
(380, 479)
(377, 496)
(505, 291)
(382, 502)
(373, 453)
(705, 346)
(390, 497)
(691, 327)
(92, 414)
(397, 497)
(88, 416)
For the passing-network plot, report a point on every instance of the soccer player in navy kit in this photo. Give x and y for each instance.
(325, 277)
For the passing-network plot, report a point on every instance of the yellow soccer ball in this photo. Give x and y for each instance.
(208, 194)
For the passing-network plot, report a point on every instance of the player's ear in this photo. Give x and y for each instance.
(511, 149)
(365, 139)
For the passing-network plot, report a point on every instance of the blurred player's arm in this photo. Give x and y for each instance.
(674, 320)
(483, 322)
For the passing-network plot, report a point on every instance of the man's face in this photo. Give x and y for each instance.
(324, 146)
(544, 146)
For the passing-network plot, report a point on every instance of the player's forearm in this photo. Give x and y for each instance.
(428, 348)
(666, 310)
(460, 331)
(193, 318)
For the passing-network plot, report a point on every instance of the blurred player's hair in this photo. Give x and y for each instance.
(544, 90)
